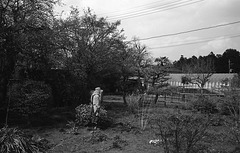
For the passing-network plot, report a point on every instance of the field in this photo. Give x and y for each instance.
(124, 134)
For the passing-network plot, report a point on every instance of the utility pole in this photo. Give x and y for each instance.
(229, 66)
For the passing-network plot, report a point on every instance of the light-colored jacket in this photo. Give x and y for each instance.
(96, 100)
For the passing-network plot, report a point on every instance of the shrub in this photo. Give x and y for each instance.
(13, 140)
(204, 105)
(230, 103)
(72, 127)
(182, 133)
(84, 116)
(29, 98)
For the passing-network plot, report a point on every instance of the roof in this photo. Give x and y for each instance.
(216, 77)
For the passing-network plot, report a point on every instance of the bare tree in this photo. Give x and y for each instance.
(199, 72)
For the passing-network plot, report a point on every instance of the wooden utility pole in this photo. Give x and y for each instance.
(229, 66)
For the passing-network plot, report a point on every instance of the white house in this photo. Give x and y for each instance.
(215, 81)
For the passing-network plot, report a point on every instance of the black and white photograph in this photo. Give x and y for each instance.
(119, 76)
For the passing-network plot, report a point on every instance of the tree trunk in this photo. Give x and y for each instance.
(8, 59)
(3, 91)
(156, 98)
(124, 98)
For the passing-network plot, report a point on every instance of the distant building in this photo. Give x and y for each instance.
(217, 80)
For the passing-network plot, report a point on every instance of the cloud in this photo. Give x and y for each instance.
(218, 46)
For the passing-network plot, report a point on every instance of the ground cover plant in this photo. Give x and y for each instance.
(14, 140)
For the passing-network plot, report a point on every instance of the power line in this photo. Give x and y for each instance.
(147, 12)
(195, 42)
(145, 6)
(148, 9)
(155, 10)
(189, 31)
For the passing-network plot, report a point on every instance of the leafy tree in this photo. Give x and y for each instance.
(131, 63)
(91, 45)
(126, 69)
(20, 21)
(157, 75)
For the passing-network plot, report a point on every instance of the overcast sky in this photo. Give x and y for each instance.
(150, 18)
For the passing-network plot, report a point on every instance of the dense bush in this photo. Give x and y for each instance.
(29, 98)
(13, 140)
(68, 88)
(83, 114)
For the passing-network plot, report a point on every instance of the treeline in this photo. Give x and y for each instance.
(228, 62)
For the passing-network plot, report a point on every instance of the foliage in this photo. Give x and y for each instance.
(185, 80)
(229, 107)
(30, 98)
(67, 88)
(73, 128)
(235, 81)
(156, 75)
(204, 105)
(230, 103)
(25, 37)
(84, 115)
(131, 63)
(228, 62)
(14, 140)
(182, 133)
(89, 46)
